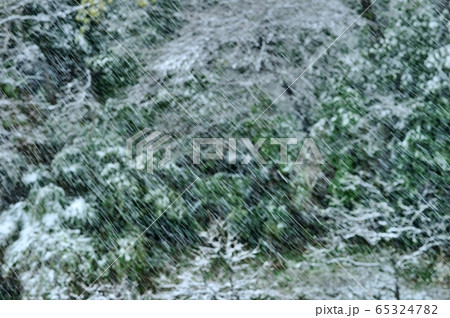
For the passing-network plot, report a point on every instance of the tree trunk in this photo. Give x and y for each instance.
(369, 14)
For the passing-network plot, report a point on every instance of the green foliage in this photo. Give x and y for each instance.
(72, 205)
(385, 133)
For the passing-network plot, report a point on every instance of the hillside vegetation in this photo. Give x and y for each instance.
(77, 78)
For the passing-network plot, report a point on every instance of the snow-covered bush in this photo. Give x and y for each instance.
(386, 142)
(222, 268)
(45, 254)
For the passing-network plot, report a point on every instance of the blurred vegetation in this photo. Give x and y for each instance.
(71, 95)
